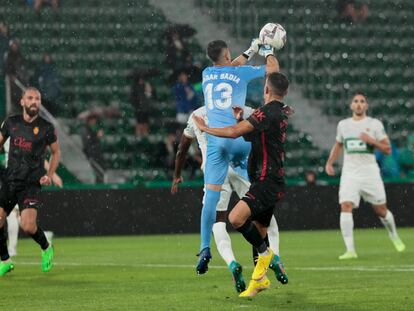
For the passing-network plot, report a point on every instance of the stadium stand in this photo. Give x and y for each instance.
(334, 58)
(95, 57)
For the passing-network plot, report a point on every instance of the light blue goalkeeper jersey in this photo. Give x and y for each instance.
(226, 87)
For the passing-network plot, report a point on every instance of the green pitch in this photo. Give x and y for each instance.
(157, 273)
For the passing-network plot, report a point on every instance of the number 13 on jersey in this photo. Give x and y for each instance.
(219, 96)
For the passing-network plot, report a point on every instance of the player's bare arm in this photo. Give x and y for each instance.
(272, 64)
(180, 158)
(383, 145)
(333, 156)
(2, 140)
(233, 131)
(53, 164)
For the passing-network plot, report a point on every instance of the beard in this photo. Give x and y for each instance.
(31, 111)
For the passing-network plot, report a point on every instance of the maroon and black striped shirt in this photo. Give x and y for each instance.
(268, 139)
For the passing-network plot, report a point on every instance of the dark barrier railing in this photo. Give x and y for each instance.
(156, 211)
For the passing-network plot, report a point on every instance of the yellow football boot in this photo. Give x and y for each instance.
(255, 287)
(262, 265)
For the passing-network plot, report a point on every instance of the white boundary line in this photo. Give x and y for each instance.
(391, 268)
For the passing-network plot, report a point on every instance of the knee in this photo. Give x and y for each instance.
(28, 227)
(236, 221)
(380, 210)
(346, 207)
(3, 217)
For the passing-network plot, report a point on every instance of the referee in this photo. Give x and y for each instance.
(29, 135)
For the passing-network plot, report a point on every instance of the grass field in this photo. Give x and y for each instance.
(157, 273)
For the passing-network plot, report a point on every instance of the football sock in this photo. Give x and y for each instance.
(255, 252)
(252, 235)
(265, 253)
(40, 238)
(208, 216)
(223, 242)
(13, 231)
(389, 223)
(4, 253)
(347, 227)
(273, 235)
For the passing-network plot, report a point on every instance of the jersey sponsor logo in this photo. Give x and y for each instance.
(259, 115)
(21, 143)
(356, 145)
(36, 130)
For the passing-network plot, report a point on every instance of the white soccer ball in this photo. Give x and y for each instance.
(274, 35)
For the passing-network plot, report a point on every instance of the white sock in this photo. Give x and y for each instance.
(223, 242)
(273, 235)
(389, 223)
(347, 228)
(13, 231)
(265, 253)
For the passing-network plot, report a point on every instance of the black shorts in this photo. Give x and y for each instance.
(262, 198)
(26, 195)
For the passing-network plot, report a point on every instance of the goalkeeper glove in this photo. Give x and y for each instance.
(253, 49)
(266, 50)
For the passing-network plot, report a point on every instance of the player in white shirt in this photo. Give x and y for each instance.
(237, 181)
(359, 136)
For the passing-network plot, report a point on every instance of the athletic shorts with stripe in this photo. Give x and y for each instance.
(262, 198)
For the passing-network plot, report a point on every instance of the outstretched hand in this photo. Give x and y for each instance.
(199, 121)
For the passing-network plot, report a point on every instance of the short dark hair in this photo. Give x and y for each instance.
(30, 88)
(359, 92)
(278, 83)
(215, 48)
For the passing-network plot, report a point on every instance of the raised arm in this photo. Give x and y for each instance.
(2, 140)
(180, 158)
(333, 156)
(272, 64)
